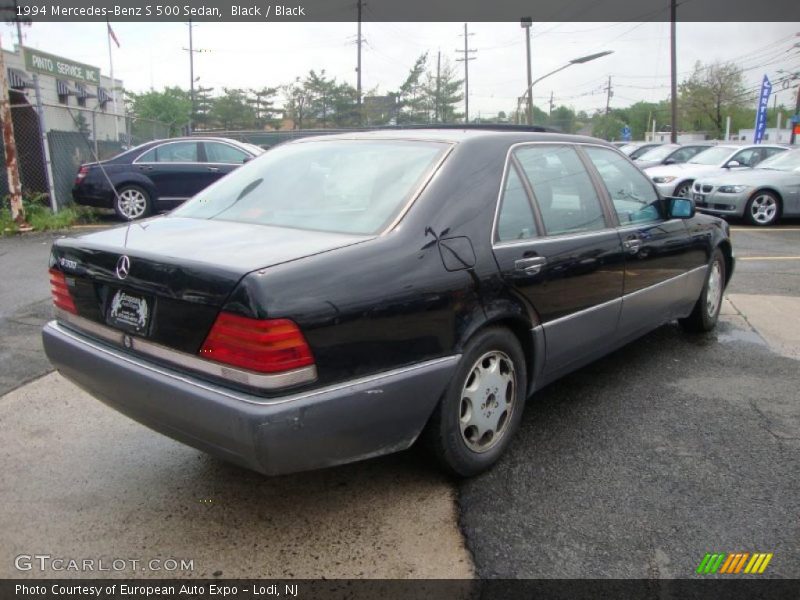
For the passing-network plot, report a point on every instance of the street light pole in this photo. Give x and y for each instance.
(575, 61)
(526, 25)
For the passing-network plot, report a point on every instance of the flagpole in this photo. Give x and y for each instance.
(113, 82)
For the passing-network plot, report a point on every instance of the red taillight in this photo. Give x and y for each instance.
(263, 345)
(60, 291)
(82, 172)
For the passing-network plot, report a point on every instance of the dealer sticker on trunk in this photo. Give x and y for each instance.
(128, 312)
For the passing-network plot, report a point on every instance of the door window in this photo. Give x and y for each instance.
(563, 190)
(631, 192)
(217, 152)
(747, 158)
(183, 152)
(516, 216)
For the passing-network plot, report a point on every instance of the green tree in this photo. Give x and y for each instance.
(442, 92)
(295, 102)
(607, 127)
(411, 95)
(562, 118)
(171, 107)
(709, 95)
(231, 110)
(262, 101)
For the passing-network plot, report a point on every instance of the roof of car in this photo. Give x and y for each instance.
(456, 135)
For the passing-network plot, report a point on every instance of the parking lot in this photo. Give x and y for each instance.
(635, 466)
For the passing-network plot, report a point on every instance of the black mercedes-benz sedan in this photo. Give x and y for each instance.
(158, 175)
(338, 298)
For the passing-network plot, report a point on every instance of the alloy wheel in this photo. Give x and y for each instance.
(763, 209)
(487, 401)
(132, 203)
(714, 291)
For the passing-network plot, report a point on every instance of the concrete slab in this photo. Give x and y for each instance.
(775, 318)
(80, 481)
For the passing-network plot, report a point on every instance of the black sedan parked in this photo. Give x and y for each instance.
(340, 297)
(158, 175)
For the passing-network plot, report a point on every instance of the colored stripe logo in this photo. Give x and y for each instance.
(734, 563)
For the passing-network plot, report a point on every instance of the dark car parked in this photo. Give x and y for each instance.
(158, 175)
(339, 297)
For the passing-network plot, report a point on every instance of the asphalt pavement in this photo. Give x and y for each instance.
(635, 466)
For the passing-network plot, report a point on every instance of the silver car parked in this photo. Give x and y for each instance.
(761, 195)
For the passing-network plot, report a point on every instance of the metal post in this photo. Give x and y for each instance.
(674, 67)
(795, 124)
(48, 164)
(10, 146)
(530, 82)
(727, 128)
(358, 68)
(191, 79)
(94, 133)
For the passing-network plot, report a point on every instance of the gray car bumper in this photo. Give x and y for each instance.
(343, 423)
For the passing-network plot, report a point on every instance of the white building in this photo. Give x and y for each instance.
(684, 137)
(773, 135)
(74, 96)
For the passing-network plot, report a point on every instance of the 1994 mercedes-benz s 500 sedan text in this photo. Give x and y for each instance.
(337, 298)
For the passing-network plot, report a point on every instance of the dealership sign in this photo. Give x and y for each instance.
(49, 64)
(761, 114)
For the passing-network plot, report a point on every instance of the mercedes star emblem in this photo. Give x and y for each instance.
(123, 266)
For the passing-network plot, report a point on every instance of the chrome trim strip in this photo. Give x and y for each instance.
(624, 296)
(182, 359)
(241, 396)
(617, 300)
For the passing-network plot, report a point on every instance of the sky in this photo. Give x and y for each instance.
(255, 55)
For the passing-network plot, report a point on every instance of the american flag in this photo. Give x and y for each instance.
(113, 36)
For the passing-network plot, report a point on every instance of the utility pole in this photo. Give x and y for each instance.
(796, 124)
(609, 93)
(526, 25)
(466, 51)
(550, 113)
(192, 51)
(673, 60)
(358, 60)
(436, 111)
(10, 146)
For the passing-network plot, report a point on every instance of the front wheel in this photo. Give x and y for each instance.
(482, 407)
(763, 209)
(683, 190)
(705, 315)
(131, 202)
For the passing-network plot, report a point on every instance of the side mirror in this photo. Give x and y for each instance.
(247, 159)
(733, 164)
(669, 161)
(680, 208)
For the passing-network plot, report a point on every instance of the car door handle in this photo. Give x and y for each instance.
(632, 246)
(531, 266)
(213, 169)
(145, 168)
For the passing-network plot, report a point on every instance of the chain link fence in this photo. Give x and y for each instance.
(74, 135)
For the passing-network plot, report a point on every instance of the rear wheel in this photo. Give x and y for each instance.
(131, 202)
(705, 315)
(482, 407)
(763, 209)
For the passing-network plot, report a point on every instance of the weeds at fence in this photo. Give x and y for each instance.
(41, 217)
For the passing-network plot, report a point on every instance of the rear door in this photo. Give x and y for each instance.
(175, 170)
(555, 244)
(658, 251)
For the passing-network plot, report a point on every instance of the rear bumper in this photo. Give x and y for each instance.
(98, 200)
(356, 420)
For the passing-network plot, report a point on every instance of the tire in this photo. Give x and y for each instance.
(763, 209)
(705, 314)
(683, 189)
(474, 421)
(132, 202)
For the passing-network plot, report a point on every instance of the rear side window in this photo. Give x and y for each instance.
(563, 189)
(516, 216)
(632, 194)
(174, 152)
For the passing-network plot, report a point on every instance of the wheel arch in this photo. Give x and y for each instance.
(727, 253)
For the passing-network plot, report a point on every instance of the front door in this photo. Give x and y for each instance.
(658, 251)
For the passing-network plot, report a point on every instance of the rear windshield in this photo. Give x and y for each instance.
(658, 153)
(345, 186)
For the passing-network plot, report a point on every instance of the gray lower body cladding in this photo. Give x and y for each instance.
(353, 421)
